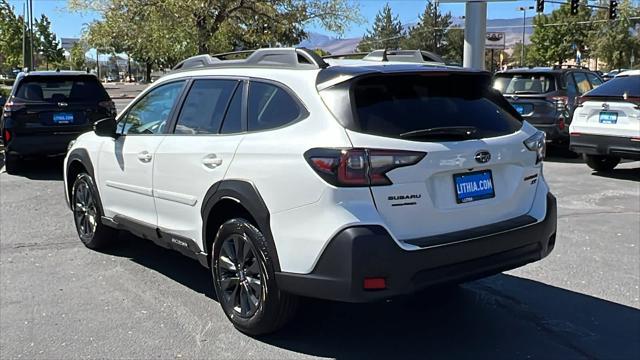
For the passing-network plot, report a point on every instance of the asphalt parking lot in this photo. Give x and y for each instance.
(61, 300)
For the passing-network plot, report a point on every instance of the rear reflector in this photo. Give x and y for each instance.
(561, 124)
(6, 136)
(374, 284)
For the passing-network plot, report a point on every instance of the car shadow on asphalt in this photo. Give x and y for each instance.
(620, 174)
(502, 316)
(49, 168)
(562, 154)
(170, 263)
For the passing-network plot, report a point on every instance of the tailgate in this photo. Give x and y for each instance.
(535, 109)
(424, 198)
(613, 118)
(43, 117)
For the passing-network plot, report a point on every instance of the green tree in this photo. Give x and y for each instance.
(430, 31)
(163, 32)
(46, 42)
(557, 35)
(613, 41)
(77, 56)
(11, 29)
(386, 32)
(454, 47)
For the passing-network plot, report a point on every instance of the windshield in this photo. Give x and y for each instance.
(61, 88)
(513, 83)
(395, 105)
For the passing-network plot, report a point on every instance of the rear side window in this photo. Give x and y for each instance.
(395, 105)
(582, 82)
(60, 88)
(594, 80)
(618, 86)
(270, 106)
(203, 109)
(512, 83)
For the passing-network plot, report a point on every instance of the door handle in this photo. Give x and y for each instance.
(144, 156)
(211, 161)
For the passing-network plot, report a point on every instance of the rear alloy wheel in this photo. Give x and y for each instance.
(244, 279)
(87, 214)
(240, 276)
(601, 162)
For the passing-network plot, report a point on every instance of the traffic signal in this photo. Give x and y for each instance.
(539, 6)
(575, 4)
(613, 9)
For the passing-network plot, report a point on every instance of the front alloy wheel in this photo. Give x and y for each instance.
(87, 214)
(240, 276)
(84, 210)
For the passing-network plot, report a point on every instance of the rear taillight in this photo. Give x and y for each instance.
(632, 99)
(109, 105)
(560, 101)
(561, 124)
(359, 167)
(12, 105)
(537, 143)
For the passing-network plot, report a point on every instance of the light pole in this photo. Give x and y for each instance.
(524, 24)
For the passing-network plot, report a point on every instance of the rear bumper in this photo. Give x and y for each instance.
(40, 144)
(618, 146)
(363, 252)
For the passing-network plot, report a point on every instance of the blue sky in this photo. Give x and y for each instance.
(67, 24)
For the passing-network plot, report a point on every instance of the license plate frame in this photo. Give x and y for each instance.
(474, 178)
(610, 117)
(63, 118)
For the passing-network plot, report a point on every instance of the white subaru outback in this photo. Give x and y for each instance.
(290, 176)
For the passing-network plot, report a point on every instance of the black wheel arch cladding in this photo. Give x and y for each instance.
(80, 156)
(249, 198)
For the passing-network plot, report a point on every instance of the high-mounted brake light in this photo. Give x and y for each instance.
(359, 167)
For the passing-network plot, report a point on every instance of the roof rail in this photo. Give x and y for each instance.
(555, 67)
(290, 58)
(412, 56)
(343, 56)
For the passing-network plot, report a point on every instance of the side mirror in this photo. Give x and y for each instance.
(105, 127)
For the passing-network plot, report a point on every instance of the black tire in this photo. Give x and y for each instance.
(249, 276)
(87, 214)
(601, 162)
(11, 164)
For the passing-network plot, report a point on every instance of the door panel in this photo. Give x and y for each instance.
(125, 179)
(126, 164)
(190, 161)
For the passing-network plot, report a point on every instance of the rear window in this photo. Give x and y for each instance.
(395, 105)
(509, 83)
(61, 88)
(618, 86)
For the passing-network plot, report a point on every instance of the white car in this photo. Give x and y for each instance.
(289, 176)
(606, 124)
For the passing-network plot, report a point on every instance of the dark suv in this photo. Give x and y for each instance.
(546, 97)
(48, 109)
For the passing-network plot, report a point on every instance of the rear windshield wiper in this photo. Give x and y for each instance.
(464, 132)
